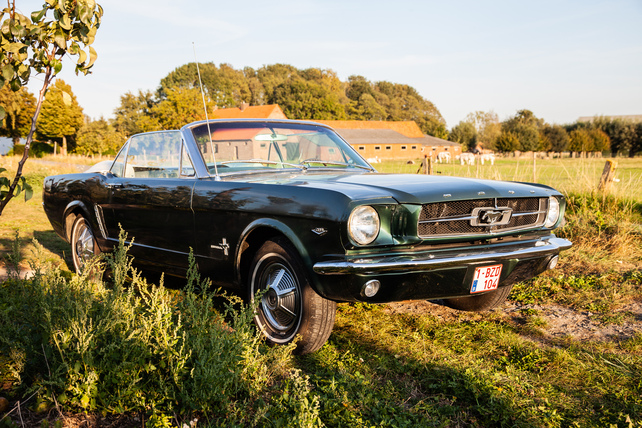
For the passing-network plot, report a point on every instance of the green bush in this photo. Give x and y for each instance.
(129, 346)
(37, 149)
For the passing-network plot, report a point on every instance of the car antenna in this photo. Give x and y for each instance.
(209, 131)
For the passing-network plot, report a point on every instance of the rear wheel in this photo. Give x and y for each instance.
(289, 307)
(83, 244)
(481, 302)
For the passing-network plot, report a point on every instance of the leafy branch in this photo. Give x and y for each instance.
(39, 43)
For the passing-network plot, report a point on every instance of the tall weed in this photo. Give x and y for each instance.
(606, 232)
(130, 346)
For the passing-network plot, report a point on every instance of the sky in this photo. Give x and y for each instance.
(559, 59)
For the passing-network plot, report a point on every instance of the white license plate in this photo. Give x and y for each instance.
(486, 278)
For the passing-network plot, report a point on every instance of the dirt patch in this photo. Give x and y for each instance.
(558, 321)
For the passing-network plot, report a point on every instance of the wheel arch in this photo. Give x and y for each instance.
(72, 210)
(254, 235)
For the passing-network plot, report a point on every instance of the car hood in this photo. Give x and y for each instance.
(408, 188)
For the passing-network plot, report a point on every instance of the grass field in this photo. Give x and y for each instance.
(566, 175)
(564, 351)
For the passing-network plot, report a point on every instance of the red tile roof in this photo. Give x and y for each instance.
(272, 111)
(408, 128)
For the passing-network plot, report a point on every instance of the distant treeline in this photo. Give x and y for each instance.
(312, 93)
(526, 132)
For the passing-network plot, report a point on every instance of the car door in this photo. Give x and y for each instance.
(150, 191)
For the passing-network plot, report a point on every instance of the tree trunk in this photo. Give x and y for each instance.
(7, 197)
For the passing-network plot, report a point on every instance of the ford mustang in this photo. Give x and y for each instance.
(288, 211)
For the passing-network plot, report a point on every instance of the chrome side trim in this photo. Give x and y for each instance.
(101, 220)
(406, 263)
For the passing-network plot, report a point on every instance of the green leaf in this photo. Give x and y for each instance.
(28, 192)
(84, 401)
(60, 39)
(6, 29)
(37, 16)
(1, 168)
(7, 72)
(74, 48)
(57, 65)
(65, 22)
(91, 36)
(66, 98)
(82, 56)
(15, 85)
(15, 47)
(92, 56)
(2, 115)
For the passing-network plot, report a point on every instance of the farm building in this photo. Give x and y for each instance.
(383, 140)
(391, 140)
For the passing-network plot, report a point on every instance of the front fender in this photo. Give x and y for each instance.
(74, 207)
(278, 226)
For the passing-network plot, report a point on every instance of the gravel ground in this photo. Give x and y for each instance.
(559, 321)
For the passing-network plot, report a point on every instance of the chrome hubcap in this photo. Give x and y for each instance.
(281, 300)
(84, 246)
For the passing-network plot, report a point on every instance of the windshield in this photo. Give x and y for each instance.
(242, 146)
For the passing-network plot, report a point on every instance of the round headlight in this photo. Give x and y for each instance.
(553, 212)
(363, 225)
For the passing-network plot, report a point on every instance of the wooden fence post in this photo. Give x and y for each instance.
(608, 175)
(534, 166)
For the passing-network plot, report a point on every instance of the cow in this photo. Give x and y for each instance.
(467, 158)
(443, 157)
(488, 157)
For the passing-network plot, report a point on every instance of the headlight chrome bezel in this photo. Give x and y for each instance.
(364, 225)
(553, 212)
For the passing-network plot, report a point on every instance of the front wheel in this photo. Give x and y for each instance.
(289, 307)
(481, 302)
(83, 244)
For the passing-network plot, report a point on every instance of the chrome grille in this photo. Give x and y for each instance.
(454, 218)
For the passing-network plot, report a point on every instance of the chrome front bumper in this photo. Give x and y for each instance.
(429, 261)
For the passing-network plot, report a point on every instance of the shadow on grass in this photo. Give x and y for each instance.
(400, 391)
(54, 243)
(362, 381)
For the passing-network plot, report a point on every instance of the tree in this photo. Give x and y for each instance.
(487, 126)
(226, 86)
(465, 134)
(132, 109)
(554, 138)
(621, 133)
(99, 137)
(507, 142)
(305, 99)
(403, 102)
(19, 107)
(181, 106)
(600, 142)
(39, 44)
(580, 141)
(636, 146)
(61, 116)
(525, 126)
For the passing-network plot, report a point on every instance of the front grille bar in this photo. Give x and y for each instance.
(528, 213)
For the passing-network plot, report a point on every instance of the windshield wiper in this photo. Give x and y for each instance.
(334, 163)
(262, 161)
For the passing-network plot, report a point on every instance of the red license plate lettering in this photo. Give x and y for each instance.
(486, 278)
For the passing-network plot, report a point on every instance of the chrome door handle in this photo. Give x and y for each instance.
(114, 185)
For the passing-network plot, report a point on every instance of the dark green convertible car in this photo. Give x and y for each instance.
(289, 209)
